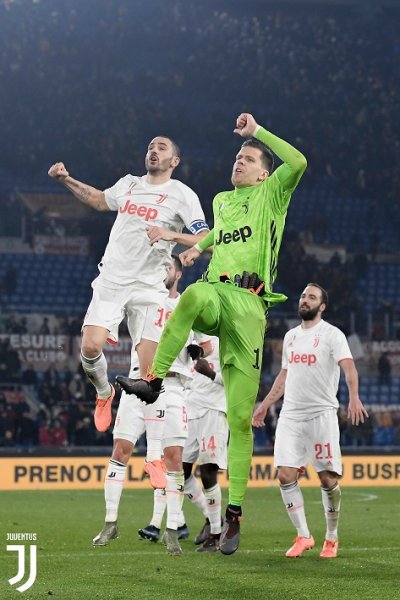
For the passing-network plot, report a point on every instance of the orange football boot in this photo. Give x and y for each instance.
(102, 413)
(329, 549)
(300, 545)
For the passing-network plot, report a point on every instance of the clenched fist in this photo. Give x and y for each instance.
(58, 171)
(188, 257)
(245, 125)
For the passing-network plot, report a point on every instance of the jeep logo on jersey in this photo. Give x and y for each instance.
(237, 235)
(130, 208)
(306, 359)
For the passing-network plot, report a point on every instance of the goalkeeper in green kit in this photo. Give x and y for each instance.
(232, 300)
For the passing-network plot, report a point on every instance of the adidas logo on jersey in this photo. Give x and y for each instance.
(131, 208)
(237, 235)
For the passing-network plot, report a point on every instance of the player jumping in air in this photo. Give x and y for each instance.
(232, 300)
(151, 213)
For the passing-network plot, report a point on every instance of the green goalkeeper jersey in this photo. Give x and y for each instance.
(249, 222)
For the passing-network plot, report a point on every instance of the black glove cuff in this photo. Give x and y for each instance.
(195, 351)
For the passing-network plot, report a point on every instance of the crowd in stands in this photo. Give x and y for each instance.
(55, 408)
(339, 277)
(325, 78)
(11, 323)
(61, 414)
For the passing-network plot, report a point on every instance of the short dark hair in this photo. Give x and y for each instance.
(324, 293)
(177, 262)
(175, 147)
(267, 157)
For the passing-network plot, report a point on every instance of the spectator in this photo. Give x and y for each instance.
(29, 376)
(363, 435)
(77, 387)
(26, 435)
(45, 437)
(84, 434)
(45, 328)
(8, 440)
(384, 369)
(58, 434)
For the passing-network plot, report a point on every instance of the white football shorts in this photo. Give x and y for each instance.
(134, 418)
(110, 303)
(176, 419)
(317, 441)
(207, 441)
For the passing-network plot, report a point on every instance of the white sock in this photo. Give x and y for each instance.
(194, 492)
(331, 501)
(181, 519)
(159, 506)
(175, 486)
(153, 450)
(294, 502)
(96, 370)
(154, 418)
(113, 485)
(214, 496)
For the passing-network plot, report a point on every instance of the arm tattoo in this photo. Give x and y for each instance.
(80, 191)
(84, 194)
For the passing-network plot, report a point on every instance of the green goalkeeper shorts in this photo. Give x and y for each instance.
(240, 323)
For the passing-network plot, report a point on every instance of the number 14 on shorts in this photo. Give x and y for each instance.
(208, 443)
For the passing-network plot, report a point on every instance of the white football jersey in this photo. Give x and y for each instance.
(311, 357)
(206, 393)
(128, 256)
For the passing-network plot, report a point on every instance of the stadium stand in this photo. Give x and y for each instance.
(342, 226)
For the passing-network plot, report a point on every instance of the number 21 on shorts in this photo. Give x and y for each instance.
(322, 451)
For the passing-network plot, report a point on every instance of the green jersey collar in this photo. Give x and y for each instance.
(245, 191)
